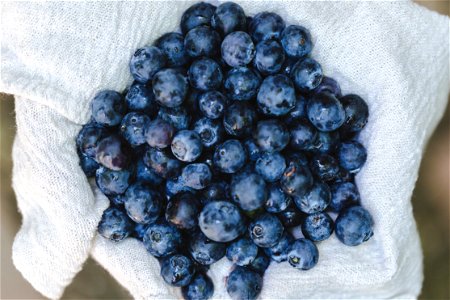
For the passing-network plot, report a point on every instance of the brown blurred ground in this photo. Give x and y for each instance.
(430, 201)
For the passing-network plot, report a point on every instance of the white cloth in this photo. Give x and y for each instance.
(57, 55)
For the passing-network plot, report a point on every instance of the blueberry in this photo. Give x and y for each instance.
(343, 194)
(242, 252)
(239, 119)
(202, 41)
(279, 252)
(266, 230)
(271, 135)
(315, 200)
(205, 251)
(178, 117)
(277, 201)
(89, 137)
(176, 186)
(243, 283)
(325, 112)
(162, 239)
(172, 45)
(87, 164)
(133, 128)
(303, 254)
(317, 227)
(303, 135)
(242, 84)
(201, 287)
(159, 133)
(327, 142)
(221, 221)
(108, 108)
(143, 205)
(186, 145)
(229, 17)
(230, 156)
(248, 190)
(210, 131)
(354, 226)
(139, 231)
(182, 211)
(216, 191)
(141, 98)
(290, 217)
(296, 41)
(296, 179)
(260, 263)
(212, 104)
(205, 74)
(276, 95)
(170, 87)
(177, 270)
(162, 163)
(269, 57)
(356, 113)
(306, 74)
(197, 15)
(238, 49)
(324, 166)
(112, 182)
(266, 26)
(252, 149)
(352, 156)
(328, 85)
(196, 176)
(115, 224)
(145, 62)
(270, 166)
(112, 153)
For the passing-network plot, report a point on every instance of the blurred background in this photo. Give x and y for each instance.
(430, 202)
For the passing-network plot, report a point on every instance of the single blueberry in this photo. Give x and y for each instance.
(324, 166)
(108, 108)
(354, 226)
(252, 149)
(147, 175)
(296, 41)
(266, 26)
(140, 97)
(239, 119)
(89, 137)
(162, 163)
(113, 153)
(205, 74)
(271, 135)
(112, 182)
(241, 84)
(328, 85)
(145, 62)
(172, 44)
(266, 230)
(205, 251)
(87, 164)
(352, 156)
(115, 224)
(229, 17)
(306, 74)
(210, 131)
(296, 179)
(170, 87)
(162, 239)
(343, 194)
(178, 116)
(325, 112)
(269, 57)
(327, 142)
(303, 135)
(276, 95)
(248, 190)
(238, 49)
(317, 227)
(279, 252)
(159, 133)
(303, 255)
(242, 252)
(212, 104)
(270, 166)
(356, 113)
(243, 283)
(202, 41)
(177, 270)
(142, 204)
(277, 201)
(221, 221)
(196, 176)
(186, 145)
(315, 200)
(260, 263)
(197, 15)
(175, 187)
(182, 211)
(201, 287)
(290, 217)
(230, 156)
(133, 128)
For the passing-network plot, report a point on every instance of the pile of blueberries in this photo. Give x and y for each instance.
(230, 142)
